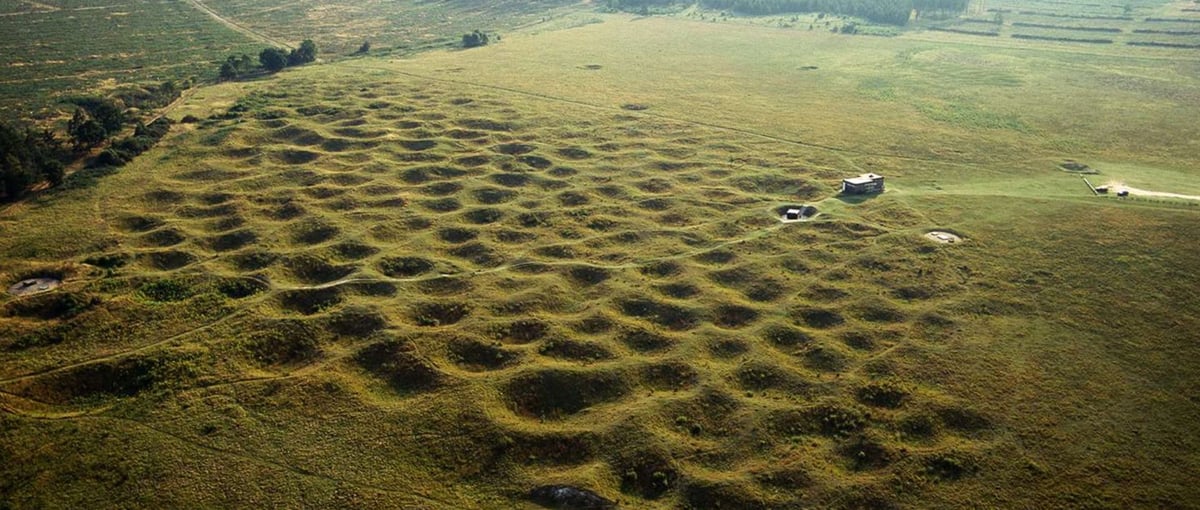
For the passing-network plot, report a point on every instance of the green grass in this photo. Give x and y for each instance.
(442, 281)
(74, 47)
(55, 49)
(1079, 21)
(341, 26)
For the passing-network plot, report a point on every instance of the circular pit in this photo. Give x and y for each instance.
(31, 286)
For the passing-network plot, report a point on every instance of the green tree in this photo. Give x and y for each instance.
(474, 39)
(229, 70)
(307, 52)
(15, 177)
(89, 134)
(27, 158)
(76, 121)
(366, 46)
(54, 171)
(273, 59)
(108, 114)
(234, 67)
(84, 131)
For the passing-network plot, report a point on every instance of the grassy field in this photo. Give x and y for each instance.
(442, 281)
(55, 49)
(343, 25)
(1150, 24)
(58, 48)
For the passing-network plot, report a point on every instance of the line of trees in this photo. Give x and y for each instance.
(144, 137)
(271, 60)
(894, 12)
(30, 157)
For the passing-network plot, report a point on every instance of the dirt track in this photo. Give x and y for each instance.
(236, 26)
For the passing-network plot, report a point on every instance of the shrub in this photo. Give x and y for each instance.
(474, 39)
(307, 52)
(273, 59)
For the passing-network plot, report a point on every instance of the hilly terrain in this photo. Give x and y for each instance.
(452, 278)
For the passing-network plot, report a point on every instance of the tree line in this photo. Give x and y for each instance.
(271, 60)
(893, 12)
(30, 157)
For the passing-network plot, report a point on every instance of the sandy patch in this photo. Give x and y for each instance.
(1117, 187)
(943, 237)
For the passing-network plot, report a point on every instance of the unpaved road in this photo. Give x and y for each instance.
(237, 26)
(1116, 186)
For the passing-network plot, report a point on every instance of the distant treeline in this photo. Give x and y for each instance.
(1164, 32)
(1061, 39)
(983, 21)
(894, 12)
(1173, 20)
(1062, 27)
(1163, 44)
(964, 31)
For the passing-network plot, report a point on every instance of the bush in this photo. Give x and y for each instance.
(474, 39)
(143, 139)
(273, 59)
(234, 67)
(110, 157)
(307, 52)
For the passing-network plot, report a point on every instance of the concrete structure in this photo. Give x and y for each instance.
(31, 286)
(863, 184)
(792, 213)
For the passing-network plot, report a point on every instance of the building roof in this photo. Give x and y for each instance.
(864, 179)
